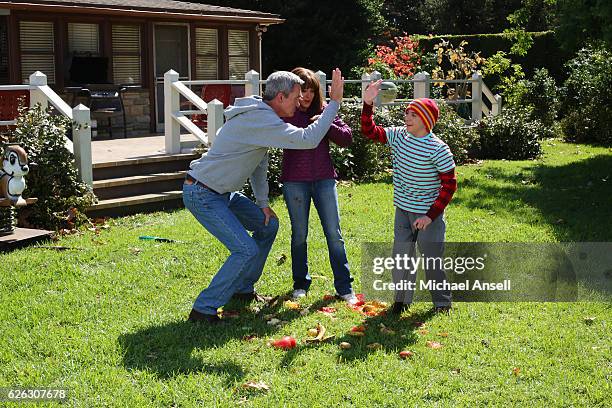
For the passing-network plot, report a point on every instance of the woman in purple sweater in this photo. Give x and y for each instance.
(310, 175)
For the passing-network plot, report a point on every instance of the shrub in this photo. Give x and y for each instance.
(587, 106)
(543, 95)
(53, 178)
(363, 159)
(512, 135)
(461, 139)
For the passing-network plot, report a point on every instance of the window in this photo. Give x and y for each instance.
(238, 48)
(126, 54)
(83, 39)
(37, 41)
(207, 56)
(4, 77)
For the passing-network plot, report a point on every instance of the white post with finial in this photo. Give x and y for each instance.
(365, 81)
(214, 119)
(81, 139)
(252, 85)
(421, 85)
(477, 96)
(38, 79)
(322, 83)
(375, 76)
(172, 129)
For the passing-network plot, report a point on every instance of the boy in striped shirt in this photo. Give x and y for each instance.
(424, 182)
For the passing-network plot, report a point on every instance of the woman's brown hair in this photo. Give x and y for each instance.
(311, 81)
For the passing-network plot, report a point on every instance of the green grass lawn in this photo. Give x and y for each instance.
(106, 318)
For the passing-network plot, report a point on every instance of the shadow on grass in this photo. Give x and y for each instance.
(167, 350)
(573, 198)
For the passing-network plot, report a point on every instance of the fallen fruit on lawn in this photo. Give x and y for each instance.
(285, 343)
(327, 296)
(423, 332)
(404, 354)
(345, 345)
(371, 308)
(257, 386)
(313, 332)
(356, 334)
(443, 334)
(385, 330)
(516, 371)
(358, 329)
(289, 304)
(320, 335)
(374, 346)
(433, 345)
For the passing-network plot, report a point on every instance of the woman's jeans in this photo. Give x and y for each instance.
(228, 217)
(325, 197)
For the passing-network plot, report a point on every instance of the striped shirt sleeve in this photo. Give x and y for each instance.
(443, 159)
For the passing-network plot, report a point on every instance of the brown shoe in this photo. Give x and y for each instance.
(197, 317)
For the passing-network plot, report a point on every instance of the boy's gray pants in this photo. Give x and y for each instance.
(430, 243)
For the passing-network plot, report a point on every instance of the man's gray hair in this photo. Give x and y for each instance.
(280, 81)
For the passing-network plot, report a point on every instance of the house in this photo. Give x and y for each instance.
(127, 42)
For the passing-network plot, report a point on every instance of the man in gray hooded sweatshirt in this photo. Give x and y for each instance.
(240, 152)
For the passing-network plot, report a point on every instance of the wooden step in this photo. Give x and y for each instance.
(142, 166)
(138, 185)
(113, 207)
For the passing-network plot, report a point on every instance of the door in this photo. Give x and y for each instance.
(171, 52)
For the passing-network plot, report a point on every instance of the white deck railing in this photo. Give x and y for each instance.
(80, 118)
(175, 117)
(422, 83)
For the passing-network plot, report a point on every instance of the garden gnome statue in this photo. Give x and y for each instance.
(14, 168)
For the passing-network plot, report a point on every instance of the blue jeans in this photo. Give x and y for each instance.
(228, 217)
(325, 197)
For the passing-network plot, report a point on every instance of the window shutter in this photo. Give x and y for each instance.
(37, 41)
(126, 54)
(238, 48)
(83, 39)
(4, 78)
(207, 57)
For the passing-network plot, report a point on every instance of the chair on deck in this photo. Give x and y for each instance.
(221, 92)
(9, 105)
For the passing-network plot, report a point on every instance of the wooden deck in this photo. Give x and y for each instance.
(118, 149)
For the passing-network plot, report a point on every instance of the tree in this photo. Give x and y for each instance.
(466, 16)
(581, 21)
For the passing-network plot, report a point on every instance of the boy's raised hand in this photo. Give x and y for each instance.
(371, 92)
(336, 90)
